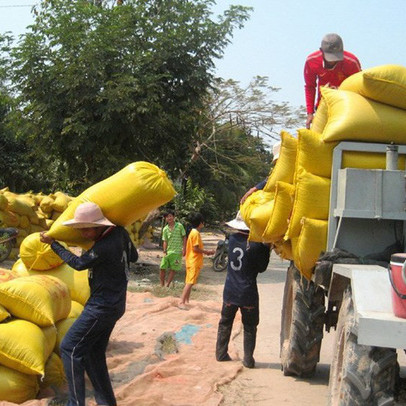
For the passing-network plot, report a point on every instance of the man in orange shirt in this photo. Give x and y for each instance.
(328, 66)
(193, 258)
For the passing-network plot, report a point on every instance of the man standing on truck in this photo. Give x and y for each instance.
(328, 66)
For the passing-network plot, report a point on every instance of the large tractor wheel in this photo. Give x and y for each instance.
(302, 325)
(360, 374)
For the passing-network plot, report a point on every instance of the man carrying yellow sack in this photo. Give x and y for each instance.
(84, 345)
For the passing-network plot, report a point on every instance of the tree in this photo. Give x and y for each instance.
(104, 85)
(230, 153)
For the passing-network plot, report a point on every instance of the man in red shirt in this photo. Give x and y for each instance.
(328, 66)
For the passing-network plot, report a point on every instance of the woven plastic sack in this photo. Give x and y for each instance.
(285, 165)
(320, 117)
(258, 198)
(76, 281)
(352, 117)
(282, 208)
(75, 310)
(384, 84)
(313, 154)
(25, 347)
(312, 241)
(54, 373)
(19, 204)
(41, 299)
(284, 249)
(62, 328)
(259, 219)
(17, 387)
(9, 218)
(61, 202)
(37, 255)
(368, 160)
(312, 200)
(3, 202)
(128, 195)
(4, 314)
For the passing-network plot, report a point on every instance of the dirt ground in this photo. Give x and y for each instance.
(266, 384)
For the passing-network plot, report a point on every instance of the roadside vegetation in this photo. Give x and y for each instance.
(94, 85)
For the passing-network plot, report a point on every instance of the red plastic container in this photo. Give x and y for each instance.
(397, 275)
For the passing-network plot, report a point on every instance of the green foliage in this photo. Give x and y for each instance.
(104, 86)
(192, 198)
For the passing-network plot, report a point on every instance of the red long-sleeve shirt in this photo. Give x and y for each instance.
(316, 75)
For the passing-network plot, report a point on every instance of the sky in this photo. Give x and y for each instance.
(281, 33)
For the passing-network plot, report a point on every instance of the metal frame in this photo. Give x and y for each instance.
(334, 221)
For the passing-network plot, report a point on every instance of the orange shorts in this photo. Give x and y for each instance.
(192, 274)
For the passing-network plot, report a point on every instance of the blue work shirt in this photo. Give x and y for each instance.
(245, 261)
(108, 262)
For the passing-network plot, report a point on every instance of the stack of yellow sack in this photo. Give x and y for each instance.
(369, 106)
(30, 212)
(41, 296)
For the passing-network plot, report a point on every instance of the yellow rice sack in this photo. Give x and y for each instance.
(17, 387)
(9, 218)
(76, 281)
(320, 118)
(258, 220)
(75, 310)
(41, 299)
(128, 195)
(258, 198)
(285, 165)
(3, 202)
(19, 204)
(368, 160)
(46, 204)
(312, 241)
(62, 328)
(61, 201)
(384, 84)
(37, 255)
(284, 249)
(54, 373)
(313, 154)
(353, 117)
(312, 200)
(25, 347)
(4, 314)
(282, 208)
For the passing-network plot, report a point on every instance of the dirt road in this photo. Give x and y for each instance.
(266, 384)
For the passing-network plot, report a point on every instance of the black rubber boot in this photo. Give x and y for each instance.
(223, 338)
(250, 337)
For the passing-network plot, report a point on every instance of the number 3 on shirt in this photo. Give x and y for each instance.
(237, 264)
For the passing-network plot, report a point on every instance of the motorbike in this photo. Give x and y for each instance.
(7, 241)
(220, 257)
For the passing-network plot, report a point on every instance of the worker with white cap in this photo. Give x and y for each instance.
(328, 66)
(275, 152)
(245, 260)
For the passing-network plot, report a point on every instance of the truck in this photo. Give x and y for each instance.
(350, 289)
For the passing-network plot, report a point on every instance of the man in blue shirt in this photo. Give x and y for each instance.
(84, 346)
(245, 260)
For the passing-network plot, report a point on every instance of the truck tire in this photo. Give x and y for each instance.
(359, 374)
(302, 325)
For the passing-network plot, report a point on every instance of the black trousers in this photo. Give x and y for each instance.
(84, 349)
(250, 321)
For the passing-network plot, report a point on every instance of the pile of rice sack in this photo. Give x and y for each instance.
(291, 212)
(41, 296)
